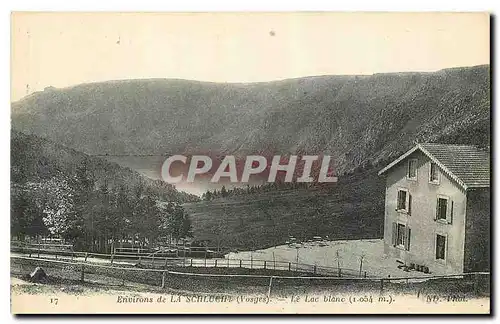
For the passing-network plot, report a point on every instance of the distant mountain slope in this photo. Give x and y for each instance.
(353, 118)
(35, 159)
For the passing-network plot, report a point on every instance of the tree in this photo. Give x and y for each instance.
(175, 221)
(124, 214)
(187, 228)
(58, 205)
(208, 196)
(223, 192)
(146, 220)
(26, 214)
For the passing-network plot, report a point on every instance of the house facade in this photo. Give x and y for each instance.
(437, 208)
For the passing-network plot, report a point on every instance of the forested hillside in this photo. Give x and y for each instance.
(56, 191)
(262, 217)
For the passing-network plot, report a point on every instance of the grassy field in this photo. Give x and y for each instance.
(352, 209)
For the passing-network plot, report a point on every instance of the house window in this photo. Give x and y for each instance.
(442, 209)
(401, 236)
(412, 169)
(433, 173)
(404, 201)
(440, 247)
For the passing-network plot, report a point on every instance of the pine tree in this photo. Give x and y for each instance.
(223, 192)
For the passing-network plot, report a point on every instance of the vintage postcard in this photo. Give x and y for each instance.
(244, 163)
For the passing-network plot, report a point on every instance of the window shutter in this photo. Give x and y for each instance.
(409, 204)
(446, 247)
(401, 202)
(394, 233)
(450, 215)
(407, 241)
(437, 209)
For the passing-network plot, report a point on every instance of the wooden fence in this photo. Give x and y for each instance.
(156, 260)
(472, 283)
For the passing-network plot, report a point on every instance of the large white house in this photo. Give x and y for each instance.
(437, 208)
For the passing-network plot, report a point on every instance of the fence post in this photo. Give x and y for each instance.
(476, 284)
(340, 272)
(163, 279)
(314, 269)
(191, 262)
(112, 256)
(251, 261)
(166, 261)
(289, 266)
(216, 263)
(365, 274)
(82, 275)
(270, 285)
(264, 264)
(86, 255)
(228, 262)
(205, 262)
(240, 263)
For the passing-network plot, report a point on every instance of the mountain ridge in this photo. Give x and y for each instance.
(356, 119)
(246, 83)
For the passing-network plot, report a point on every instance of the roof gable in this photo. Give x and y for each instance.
(467, 165)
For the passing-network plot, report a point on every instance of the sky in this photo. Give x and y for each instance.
(65, 49)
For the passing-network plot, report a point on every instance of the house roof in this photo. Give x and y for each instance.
(468, 165)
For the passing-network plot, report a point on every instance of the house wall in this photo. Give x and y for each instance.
(422, 221)
(477, 231)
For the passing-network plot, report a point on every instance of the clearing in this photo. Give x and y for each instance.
(345, 254)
